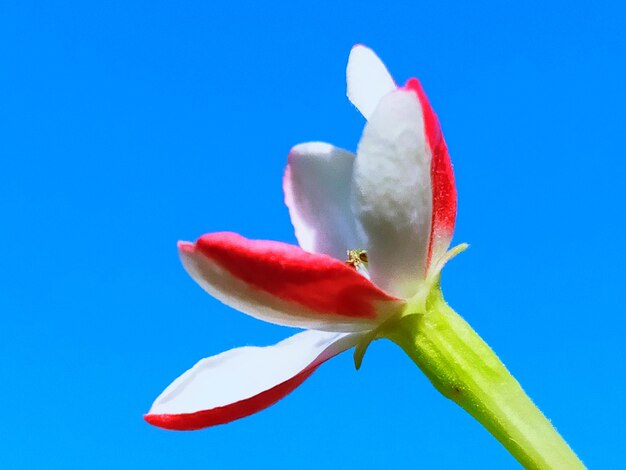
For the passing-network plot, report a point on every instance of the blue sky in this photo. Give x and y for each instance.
(127, 125)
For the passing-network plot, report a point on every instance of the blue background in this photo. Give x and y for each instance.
(127, 125)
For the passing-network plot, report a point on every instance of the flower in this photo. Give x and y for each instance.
(391, 209)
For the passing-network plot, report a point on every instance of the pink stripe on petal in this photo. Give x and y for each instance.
(444, 196)
(284, 284)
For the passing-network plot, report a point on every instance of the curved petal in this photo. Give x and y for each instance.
(368, 79)
(284, 284)
(392, 195)
(317, 192)
(243, 381)
(442, 178)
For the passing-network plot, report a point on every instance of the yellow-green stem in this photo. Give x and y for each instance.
(465, 369)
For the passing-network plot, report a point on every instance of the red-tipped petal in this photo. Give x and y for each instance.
(392, 195)
(243, 381)
(444, 200)
(284, 284)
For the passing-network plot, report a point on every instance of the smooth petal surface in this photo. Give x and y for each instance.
(284, 284)
(317, 192)
(444, 199)
(243, 381)
(392, 196)
(368, 80)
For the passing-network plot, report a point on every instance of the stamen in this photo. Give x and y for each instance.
(357, 258)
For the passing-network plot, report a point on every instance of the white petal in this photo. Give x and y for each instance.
(317, 192)
(368, 79)
(392, 193)
(244, 380)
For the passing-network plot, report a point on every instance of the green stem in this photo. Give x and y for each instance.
(463, 368)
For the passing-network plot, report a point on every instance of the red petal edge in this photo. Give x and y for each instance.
(317, 282)
(231, 412)
(442, 176)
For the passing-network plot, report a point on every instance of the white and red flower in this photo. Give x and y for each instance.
(395, 199)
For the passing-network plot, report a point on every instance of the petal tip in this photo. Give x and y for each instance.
(185, 247)
(359, 46)
(152, 419)
(414, 85)
(368, 80)
(164, 422)
(177, 422)
(308, 148)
